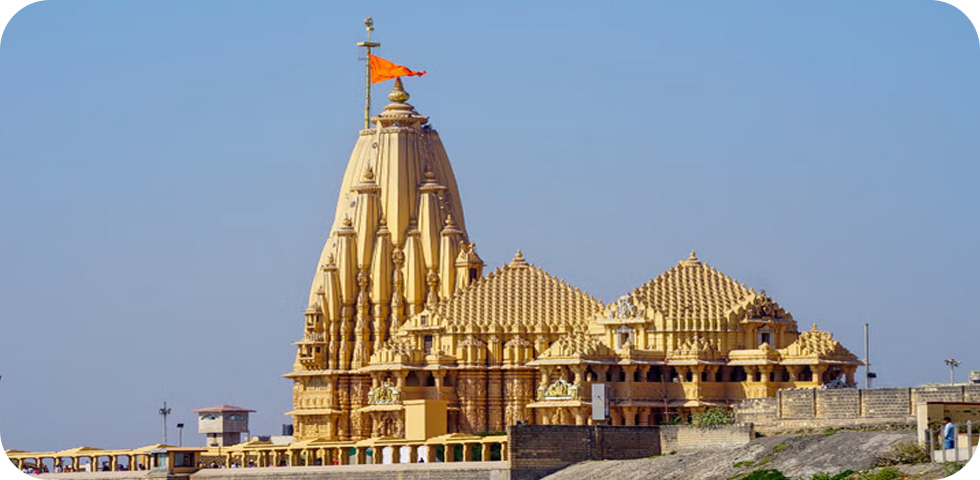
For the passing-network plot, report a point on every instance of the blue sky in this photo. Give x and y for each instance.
(168, 172)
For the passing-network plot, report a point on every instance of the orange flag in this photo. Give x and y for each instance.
(382, 70)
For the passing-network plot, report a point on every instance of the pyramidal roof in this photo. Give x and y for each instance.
(520, 292)
(692, 290)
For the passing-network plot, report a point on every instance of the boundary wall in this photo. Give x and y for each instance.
(539, 450)
(811, 408)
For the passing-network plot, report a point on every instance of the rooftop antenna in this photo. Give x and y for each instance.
(953, 363)
(369, 23)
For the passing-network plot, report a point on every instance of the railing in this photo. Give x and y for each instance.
(963, 446)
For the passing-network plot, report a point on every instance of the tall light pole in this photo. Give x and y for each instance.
(164, 412)
(953, 363)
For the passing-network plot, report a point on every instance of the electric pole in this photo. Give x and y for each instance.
(953, 363)
(164, 412)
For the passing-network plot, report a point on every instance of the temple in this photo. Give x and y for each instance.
(405, 336)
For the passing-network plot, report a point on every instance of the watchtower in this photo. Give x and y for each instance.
(223, 424)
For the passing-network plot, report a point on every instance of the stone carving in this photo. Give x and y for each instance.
(624, 308)
(384, 394)
(558, 390)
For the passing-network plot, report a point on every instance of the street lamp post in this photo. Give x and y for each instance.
(164, 412)
(953, 363)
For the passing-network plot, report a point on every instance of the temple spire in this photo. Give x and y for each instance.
(369, 23)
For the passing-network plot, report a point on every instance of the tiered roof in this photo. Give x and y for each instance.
(816, 344)
(693, 291)
(520, 293)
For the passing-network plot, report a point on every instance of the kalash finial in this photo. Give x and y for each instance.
(398, 93)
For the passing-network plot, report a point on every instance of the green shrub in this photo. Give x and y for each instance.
(906, 453)
(826, 476)
(950, 468)
(712, 417)
(676, 420)
(766, 475)
(828, 432)
(889, 473)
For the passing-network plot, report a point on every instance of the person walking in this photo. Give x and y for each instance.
(949, 433)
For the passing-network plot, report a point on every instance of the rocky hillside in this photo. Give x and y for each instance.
(796, 456)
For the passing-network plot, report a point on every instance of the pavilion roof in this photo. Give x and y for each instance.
(519, 293)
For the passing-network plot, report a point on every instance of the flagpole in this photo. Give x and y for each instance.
(369, 23)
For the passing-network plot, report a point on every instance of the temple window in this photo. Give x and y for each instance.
(428, 344)
(423, 320)
(673, 375)
(704, 376)
(624, 335)
(765, 336)
(806, 375)
(473, 275)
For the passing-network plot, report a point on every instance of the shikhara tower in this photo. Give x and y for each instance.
(405, 337)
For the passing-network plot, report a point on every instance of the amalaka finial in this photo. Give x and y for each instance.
(518, 260)
(398, 93)
(814, 326)
(693, 256)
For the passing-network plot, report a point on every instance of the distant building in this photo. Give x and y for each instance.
(223, 424)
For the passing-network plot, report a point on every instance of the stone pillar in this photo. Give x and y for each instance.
(396, 454)
(485, 452)
(430, 454)
(467, 452)
(361, 456)
(343, 455)
(630, 415)
(450, 452)
(413, 454)
(818, 371)
(794, 372)
(629, 371)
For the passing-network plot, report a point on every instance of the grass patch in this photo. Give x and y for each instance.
(828, 432)
(744, 463)
(826, 476)
(950, 468)
(779, 448)
(889, 473)
(766, 475)
(905, 453)
(764, 461)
